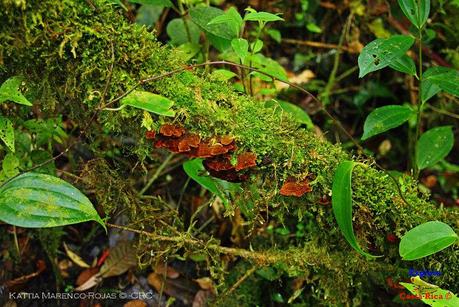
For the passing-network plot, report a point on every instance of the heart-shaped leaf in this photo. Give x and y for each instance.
(382, 52)
(149, 102)
(342, 204)
(10, 91)
(39, 200)
(417, 14)
(433, 146)
(385, 118)
(426, 239)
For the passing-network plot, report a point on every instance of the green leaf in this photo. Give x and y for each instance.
(165, 3)
(38, 200)
(148, 14)
(312, 27)
(426, 239)
(385, 118)
(178, 34)
(416, 14)
(256, 46)
(241, 47)
(7, 132)
(262, 17)
(404, 64)
(433, 146)
(195, 170)
(440, 297)
(149, 102)
(436, 297)
(382, 52)
(439, 78)
(223, 74)
(10, 91)
(342, 204)
(203, 15)
(268, 66)
(230, 17)
(275, 35)
(295, 111)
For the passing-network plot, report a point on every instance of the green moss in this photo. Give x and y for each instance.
(66, 50)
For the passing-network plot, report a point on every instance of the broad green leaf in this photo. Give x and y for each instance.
(203, 15)
(178, 33)
(241, 47)
(416, 14)
(430, 294)
(165, 3)
(196, 171)
(230, 17)
(10, 91)
(262, 17)
(434, 145)
(188, 50)
(275, 35)
(295, 111)
(385, 118)
(342, 203)
(149, 102)
(404, 64)
(256, 46)
(426, 239)
(37, 200)
(148, 14)
(223, 74)
(439, 78)
(268, 66)
(382, 52)
(7, 132)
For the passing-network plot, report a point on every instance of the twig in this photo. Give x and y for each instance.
(316, 44)
(240, 281)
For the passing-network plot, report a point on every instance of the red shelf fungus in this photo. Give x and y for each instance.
(216, 151)
(295, 188)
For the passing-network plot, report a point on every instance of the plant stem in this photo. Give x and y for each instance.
(156, 174)
(419, 109)
(182, 14)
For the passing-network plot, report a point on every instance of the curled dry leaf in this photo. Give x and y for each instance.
(75, 257)
(295, 188)
(121, 258)
(85, 275)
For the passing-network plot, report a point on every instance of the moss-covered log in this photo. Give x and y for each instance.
(76, 56)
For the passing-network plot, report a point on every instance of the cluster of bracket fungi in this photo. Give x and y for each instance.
(217, 153)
